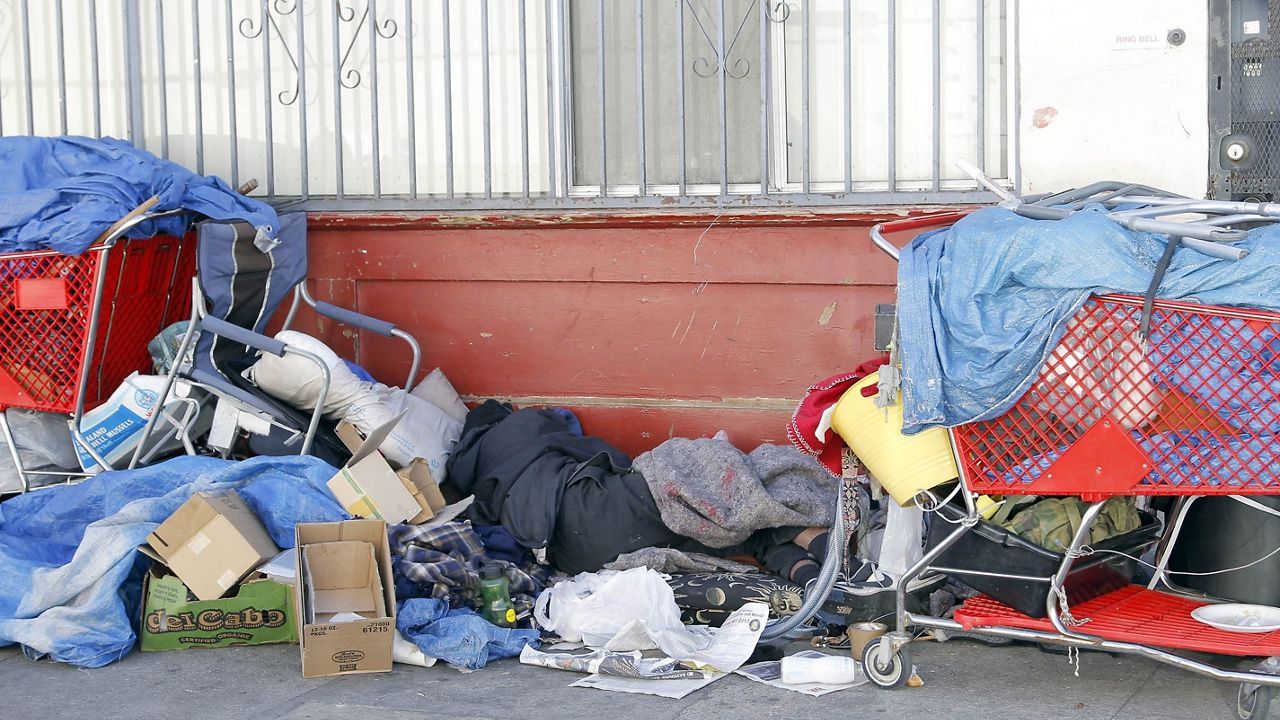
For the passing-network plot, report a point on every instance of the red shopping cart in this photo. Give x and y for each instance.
(73, 327)
(1189, 409)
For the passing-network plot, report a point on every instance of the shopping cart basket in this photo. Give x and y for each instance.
(72, 327)
(1190, 408)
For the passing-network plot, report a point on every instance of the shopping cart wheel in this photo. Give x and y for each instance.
(889, 675)
(1252, 702)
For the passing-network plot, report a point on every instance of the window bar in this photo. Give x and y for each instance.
(684, 159)
(26, 50)
(484, 97)
(62, 66)
(93, 68)
(893, 96)
(448, 101)
(936, 26)
(551, 112)
(764, 96)
(266, 100)
(848, 97)
(163, 80)
(373, 98)
(301, 100)
(640, 97)
(524, 99)
(199, 90)
(604, 149)
(724, 109)
(566, 106)
(804, 97)
(337, 100)
(981, 160)
(1016, 69)
(231, 95)
(408, 76)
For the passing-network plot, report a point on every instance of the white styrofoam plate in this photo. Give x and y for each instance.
(1239, 617)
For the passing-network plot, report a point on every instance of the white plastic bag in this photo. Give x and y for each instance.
(903, 543)
(425, 431)
(593, 607)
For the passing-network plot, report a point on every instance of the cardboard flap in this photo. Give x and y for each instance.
(344, 577)
(360, 445)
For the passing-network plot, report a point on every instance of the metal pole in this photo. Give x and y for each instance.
(337, 100)
(804, 97)
(374, 129)
(604, 114)
(485, 99)
(133, 76)
(936, 24)
(641, 159)
(848, 97)
(448, 101)
(164, 81)
(409, 100)
(893, 96)
(684, 158)
(195, 50)
(724, 107)
(524, 100)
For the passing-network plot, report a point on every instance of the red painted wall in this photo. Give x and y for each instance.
(649, 326)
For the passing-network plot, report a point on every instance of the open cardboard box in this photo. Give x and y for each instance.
(211, 543)
(345, 597)
(259, 612)
(368, 487)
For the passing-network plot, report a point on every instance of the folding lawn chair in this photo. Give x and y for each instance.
(240, 283)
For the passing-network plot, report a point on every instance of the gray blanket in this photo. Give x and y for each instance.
(710, 491)
(670, 560)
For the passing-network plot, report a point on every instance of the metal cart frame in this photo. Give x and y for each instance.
(110, 243)
(888, 663)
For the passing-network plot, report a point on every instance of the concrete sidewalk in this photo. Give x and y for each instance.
(963, 679)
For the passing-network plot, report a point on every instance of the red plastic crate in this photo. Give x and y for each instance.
(1132, 614)
(1192, 410)
(46, 301)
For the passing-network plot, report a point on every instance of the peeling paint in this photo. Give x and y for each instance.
(486, 335)
(827, 312)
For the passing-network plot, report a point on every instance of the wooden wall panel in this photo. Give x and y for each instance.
(648, 328)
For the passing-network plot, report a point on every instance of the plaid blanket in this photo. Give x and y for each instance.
(444, 562)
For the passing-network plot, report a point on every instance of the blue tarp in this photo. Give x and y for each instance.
(62, 193)
(70, 572)
(983, 303)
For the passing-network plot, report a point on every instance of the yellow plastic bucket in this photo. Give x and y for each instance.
(903, 464)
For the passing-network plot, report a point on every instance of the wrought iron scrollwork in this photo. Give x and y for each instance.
(386, 30)
(273, 15)
(736, 68)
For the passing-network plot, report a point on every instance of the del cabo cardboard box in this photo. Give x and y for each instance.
(211, 542)
(259, 613)
(345, 597)
(368, 487)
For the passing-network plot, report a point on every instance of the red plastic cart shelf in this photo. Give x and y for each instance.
(1132, 614)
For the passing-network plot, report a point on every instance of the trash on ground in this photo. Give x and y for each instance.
(771, 673)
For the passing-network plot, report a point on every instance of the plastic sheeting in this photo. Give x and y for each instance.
(62, 193)
(70, 572)
(983, 303)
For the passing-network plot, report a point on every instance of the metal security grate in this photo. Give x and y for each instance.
(1255, 104)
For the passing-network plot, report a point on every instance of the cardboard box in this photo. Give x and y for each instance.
(211, 543)
(368, 487)
(344, 570)
(259, 613)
